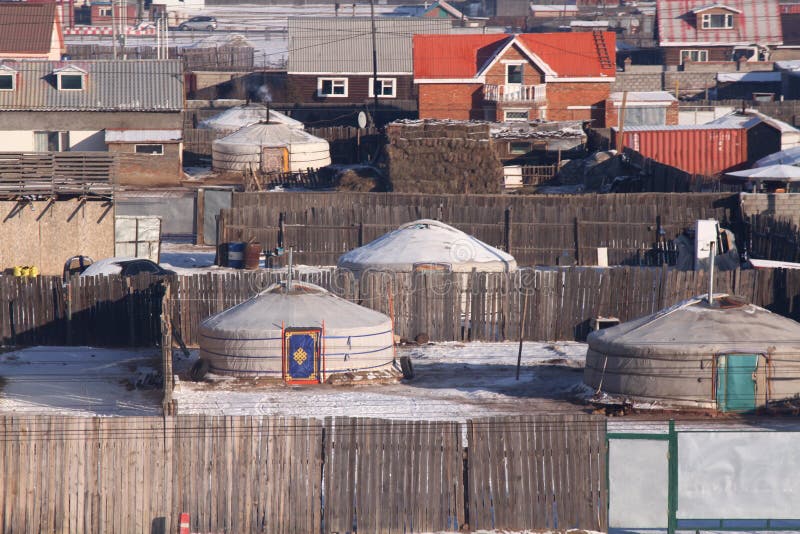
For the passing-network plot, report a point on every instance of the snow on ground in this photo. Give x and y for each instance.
(79, 381)
(453, 381)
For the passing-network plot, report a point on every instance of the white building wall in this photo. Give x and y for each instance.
(80, 140)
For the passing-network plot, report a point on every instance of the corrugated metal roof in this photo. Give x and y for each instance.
(141, 136)
(27, 28)
(758, 23)
(344, 44)
(680, 127)
(457, 56)
(134, 85)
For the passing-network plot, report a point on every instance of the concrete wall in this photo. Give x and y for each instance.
(47, 234)
(781, 205)
(23, 140)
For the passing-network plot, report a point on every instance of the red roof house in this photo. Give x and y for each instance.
(502, 77)
(704, 30)
(30, 31)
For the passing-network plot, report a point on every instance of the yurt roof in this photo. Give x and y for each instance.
(270, 135)
(305, 305)
(692, 327)
(241, 116)
(428, 242)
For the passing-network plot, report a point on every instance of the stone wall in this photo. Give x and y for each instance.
(442, 157)
(784, 206)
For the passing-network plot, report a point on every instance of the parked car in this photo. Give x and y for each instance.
(125, 267)
(199, 23)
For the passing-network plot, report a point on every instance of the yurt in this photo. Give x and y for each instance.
(427, 245)
(270, 147)
(234, 119)
(729, 355)
(301, 333)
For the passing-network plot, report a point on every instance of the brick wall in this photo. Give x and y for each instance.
(146, 170)
(638, 81)
(450, 101)
(530, 74)
(561, 96)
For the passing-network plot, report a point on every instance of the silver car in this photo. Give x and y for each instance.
(199, 23)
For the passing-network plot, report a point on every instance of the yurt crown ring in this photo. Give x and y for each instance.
(462, 250)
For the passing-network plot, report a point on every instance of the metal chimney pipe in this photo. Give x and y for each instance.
(712, 253)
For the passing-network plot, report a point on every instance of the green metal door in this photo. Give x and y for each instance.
(736, 382)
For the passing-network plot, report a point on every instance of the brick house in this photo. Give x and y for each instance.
(703, 31)
(30, 31)
(502, 77)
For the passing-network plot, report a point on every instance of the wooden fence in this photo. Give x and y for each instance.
(560, 302)
(535, 229)
(276, 475)
(57, 173)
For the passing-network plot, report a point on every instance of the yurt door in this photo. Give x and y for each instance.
(301, 355)
(736, 382)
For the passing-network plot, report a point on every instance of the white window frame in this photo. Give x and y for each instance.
(334, 81)
(13, 77)
(392, 82)
(700, 52)
(136, 146)
(507, 111)
(706, 22)
(520, 64)
(105, 12)
(82, 76)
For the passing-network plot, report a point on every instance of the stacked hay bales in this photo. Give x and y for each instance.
(453, 157)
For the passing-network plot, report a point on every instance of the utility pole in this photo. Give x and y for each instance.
(374, 62)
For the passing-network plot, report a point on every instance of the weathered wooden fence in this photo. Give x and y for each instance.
(535, 472)
(57, 173)
(560, 302)
(535, 229)
(276, 475)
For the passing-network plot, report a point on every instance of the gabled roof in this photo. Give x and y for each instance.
(328, 45)
(132, 85)
(560, 55)
(27, 28)
(756, 23)
(708, 7)
(449, 9)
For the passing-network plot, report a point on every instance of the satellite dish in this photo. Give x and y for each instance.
(362, 119)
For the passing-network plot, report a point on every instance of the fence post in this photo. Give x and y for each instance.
(507, 233)
(577, 242)
(166, 351)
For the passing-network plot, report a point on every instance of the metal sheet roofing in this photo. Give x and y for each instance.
(133, 85)
(344, 44)
(27, 28)
(463, 56)
(757, 23)
(141, 136)
(679, 127)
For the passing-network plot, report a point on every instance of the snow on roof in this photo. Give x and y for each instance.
(427, 242)
(644, 96)
(269, 135)
(589, 23)
(749, 77)
(790, 156)
(553, 8)
(233, 40)
(750, 118)
(241, 116)
(141, 136)
(789, 64)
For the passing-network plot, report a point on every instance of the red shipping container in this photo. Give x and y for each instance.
(694, 149)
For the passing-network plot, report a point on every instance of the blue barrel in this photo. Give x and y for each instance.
(236, 255)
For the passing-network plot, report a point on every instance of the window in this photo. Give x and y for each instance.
(519, 147)
(7, 82)
(511, 115)
(514, 74)
(384, 87)
(104, 12)
(713, 21)
(334, 87)
(153, 150)
(694, 55)
(70, 82)
(51, 141)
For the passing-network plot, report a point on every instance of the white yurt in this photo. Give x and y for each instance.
(731, 356)
(236, 118)
(302, 333)
(424, 245)
(270, 147)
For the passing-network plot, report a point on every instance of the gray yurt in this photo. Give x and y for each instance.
(302, 333)
(424, 245)
(270, 147)
(731, 356)
(234, 119)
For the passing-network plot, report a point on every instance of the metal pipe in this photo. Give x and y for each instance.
(712, 246)
(289, 274)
